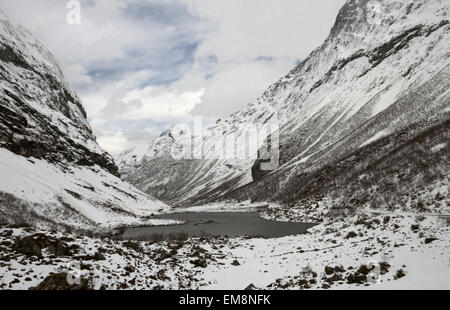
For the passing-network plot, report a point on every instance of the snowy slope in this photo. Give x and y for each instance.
(385, 65)
(40, 113)
(158, 147)
(79, 196)
(51, 168)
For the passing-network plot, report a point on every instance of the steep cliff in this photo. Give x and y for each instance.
(51, 168)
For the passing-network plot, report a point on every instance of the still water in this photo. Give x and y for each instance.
(231, 224)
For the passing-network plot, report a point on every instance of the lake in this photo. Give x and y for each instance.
(215, 224)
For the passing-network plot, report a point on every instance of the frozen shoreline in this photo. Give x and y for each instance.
(224, 207)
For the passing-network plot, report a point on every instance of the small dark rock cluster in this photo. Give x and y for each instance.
(58, 282)
(202, 257)
(33, 245)
(429, 240)
(332, 274)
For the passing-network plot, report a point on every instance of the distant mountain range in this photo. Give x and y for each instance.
(363, 119)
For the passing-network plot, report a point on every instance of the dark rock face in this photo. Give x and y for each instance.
(8, 54)
(257, 173)
(264, 156)
(33, 245)
(40, 116)
(28, 246)
(58, 282)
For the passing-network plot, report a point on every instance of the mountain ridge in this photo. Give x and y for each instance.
(53, 171)
(377, 52)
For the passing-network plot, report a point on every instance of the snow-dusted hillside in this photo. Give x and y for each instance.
(51, 168)
(384, 66)
(158, 147)
(156, 168)
(41, 114)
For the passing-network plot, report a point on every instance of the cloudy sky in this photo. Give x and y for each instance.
(141, 65)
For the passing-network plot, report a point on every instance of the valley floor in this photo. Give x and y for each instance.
(363, 251)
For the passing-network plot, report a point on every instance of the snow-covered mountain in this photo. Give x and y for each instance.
(384, 67)
(51, 168)
(158, 147)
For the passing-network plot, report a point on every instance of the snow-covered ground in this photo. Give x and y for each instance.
(360, 72)
(408, 252)
(77, 196)
(284, 263)
(245, 206)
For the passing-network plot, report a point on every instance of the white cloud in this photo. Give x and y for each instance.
(77, 74)
(161, 104)
(115, 141)
(233, 85)
(276, 28)
(244, 31)
(140, 65)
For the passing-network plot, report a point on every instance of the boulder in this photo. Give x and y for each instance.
(329, 270)
(33, 245)
(28, 246)
(58, 282)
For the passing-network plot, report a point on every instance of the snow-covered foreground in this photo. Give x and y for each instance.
(408, 252)
(287, 262)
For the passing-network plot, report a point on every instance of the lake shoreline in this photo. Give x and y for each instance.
(215, 224)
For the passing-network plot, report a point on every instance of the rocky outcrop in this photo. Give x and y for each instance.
(33, 245)
(58, 282)
(52, 171)
(41, 116)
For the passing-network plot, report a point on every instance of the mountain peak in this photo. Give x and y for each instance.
(176, 132)
(377, 53)
(351, 15)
